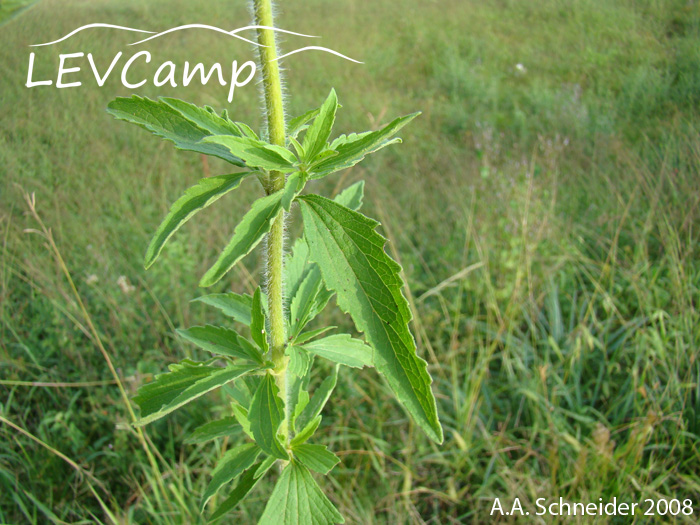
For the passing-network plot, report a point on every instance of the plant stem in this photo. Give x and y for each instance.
(272, 87)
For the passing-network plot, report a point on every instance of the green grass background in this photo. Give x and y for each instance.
(546, 219)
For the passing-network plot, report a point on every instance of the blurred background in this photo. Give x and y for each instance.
(545, 208)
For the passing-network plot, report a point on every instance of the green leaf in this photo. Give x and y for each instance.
(256, 153)
(306, 433)
(230, 466)
(300, 400)
(196, 198)
(350, 254)
(167, 122)
(295, 183)
(221, 341)
(299, 360)
(206, 118)
(247, 235)
(246, 131)
(240, 413)
(316, 457)
(351, 152)
(168, 386)
(185, 383)
(351, 197)
(318, 401)
(307, 336)
(298, 500)
(213, 430)
(298, 124)
(303, 307)
(234, 305)
(317, 135)
(265, 466)
(296, 267)
(265, 415)
(342, 349)
(245, 485)
(257, 322)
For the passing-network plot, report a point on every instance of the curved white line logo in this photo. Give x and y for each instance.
(233, 33)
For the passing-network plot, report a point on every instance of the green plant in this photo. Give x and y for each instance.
(340, 254)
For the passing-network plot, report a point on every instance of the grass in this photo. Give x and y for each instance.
(547, 222)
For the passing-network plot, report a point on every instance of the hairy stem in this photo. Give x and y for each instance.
(272, 87)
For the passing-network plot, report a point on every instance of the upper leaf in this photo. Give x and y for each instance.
(316, 457)
(248, 480)
(257, 322)
(298, 500)
(222, 341)
(234, 305)
(350, 254)
(206, 118)
(315, 405)
(161, 118)
(186, 381)
(342, 349)
(214, 429)
(266, 414)
(230, 466)
(247, 235)
(317, 135)
(351, 197)
(196, 198)
(350, 152)
(305, 433)
(256, 153)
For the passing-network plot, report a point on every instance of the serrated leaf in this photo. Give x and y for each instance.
(266, 414)
(257, 322)
(240, 391)
(299, 360)
(294, 184)
(166, 387)
(256, 153)
(240, 413)
(303, 307)
(307, 336)
(213, 430)
(318, 400)
(298, 124)
(316, 457)
(246, 483)
(221, 341)
(185, 383)
(350, 254)
(305, 433)
(351, 152)
(206, 118)
(195, 199)
(160, 118)
(297, 147)
(351, 197)
(246, 130)
(342, 349)
(298, 500)
(300, 400)
(236, 306)
(247, 235)
(230, 466)
(318, 132)
(296, 267)
(265, 466)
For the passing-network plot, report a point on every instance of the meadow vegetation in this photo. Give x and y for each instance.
(546, 216)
